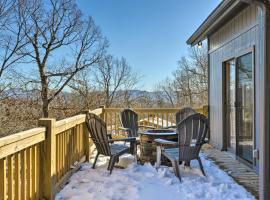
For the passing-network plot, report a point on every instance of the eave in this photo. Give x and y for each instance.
(222, 13)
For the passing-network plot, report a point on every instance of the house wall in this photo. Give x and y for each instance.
(236, 37)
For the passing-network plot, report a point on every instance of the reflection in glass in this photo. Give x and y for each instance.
(244, 107)
(230, 100)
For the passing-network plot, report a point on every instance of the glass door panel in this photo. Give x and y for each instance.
(244, 107)
(230, 107)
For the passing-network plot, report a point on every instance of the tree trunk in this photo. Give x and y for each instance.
(107, 93)
(44, 93)
(45, 108)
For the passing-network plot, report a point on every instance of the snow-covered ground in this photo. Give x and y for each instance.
(137, 182)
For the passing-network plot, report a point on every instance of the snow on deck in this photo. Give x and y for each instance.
(137, 182)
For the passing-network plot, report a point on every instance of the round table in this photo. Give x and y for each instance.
(148, 145)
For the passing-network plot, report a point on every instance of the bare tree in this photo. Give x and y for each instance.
(183, 81)
(62, 43)
(12, 40)
(86, 95)
(166, 90)
(188, 85)
(113, 75)
(6, 7)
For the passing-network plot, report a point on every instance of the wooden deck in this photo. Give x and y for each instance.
(242, 174)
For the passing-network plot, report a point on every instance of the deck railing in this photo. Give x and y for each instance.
(36, 163)
(20, 164)
(157, 117)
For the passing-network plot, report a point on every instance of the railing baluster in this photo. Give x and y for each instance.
(72, 147)
(70, 131)
(157, 120)
(148, 121)
(61, 155)
(10, 177)
(23, 182)
(3, 179)
(57, 156)
(33, 172)
(162, 118)
(65, 152)
(106, 117)
(111, 123)
(115, 123)
(17, 176)
(28, 179)
(80, 140)
(37, 170)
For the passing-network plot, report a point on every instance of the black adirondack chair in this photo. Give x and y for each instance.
(129, 123)
(106, 146)
(191, 135)
(182, 114)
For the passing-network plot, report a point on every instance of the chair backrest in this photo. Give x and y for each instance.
(98, 133)
(191, 135)
(184, 113)
(129, 119)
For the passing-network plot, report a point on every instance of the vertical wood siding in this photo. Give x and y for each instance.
(231, 40)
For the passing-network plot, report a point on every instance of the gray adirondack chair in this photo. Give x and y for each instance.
(129, 122)
(182, 114)
(106, 146)
(191, 135)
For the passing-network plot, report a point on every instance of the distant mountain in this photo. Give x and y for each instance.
(20, 93)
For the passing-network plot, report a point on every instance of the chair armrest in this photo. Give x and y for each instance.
(129, 139)
(144, 126)
(168, 127)
(126, 130)
(161, 142)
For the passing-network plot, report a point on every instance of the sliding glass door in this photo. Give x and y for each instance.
(239, 105)
(244, 107)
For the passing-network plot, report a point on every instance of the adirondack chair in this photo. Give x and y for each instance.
(106, 146)
(191, 135)
(182, 114)
(129, 123)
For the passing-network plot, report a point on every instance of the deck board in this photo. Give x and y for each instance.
(241, 173)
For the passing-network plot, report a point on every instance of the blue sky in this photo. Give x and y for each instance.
(150, 34)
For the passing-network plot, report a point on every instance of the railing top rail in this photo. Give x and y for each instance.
(20, 141)
(21, 135)
(149, 110)
(68, 123)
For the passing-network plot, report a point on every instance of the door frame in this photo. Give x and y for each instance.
(224, 99)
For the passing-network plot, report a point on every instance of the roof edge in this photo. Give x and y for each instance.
(200, 33)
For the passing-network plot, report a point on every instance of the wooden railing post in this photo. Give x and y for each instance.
(48, 160)
(102, 115)
(86, 143)
(205, 110)
(87, 140)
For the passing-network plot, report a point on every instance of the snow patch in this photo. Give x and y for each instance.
(144, 182)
